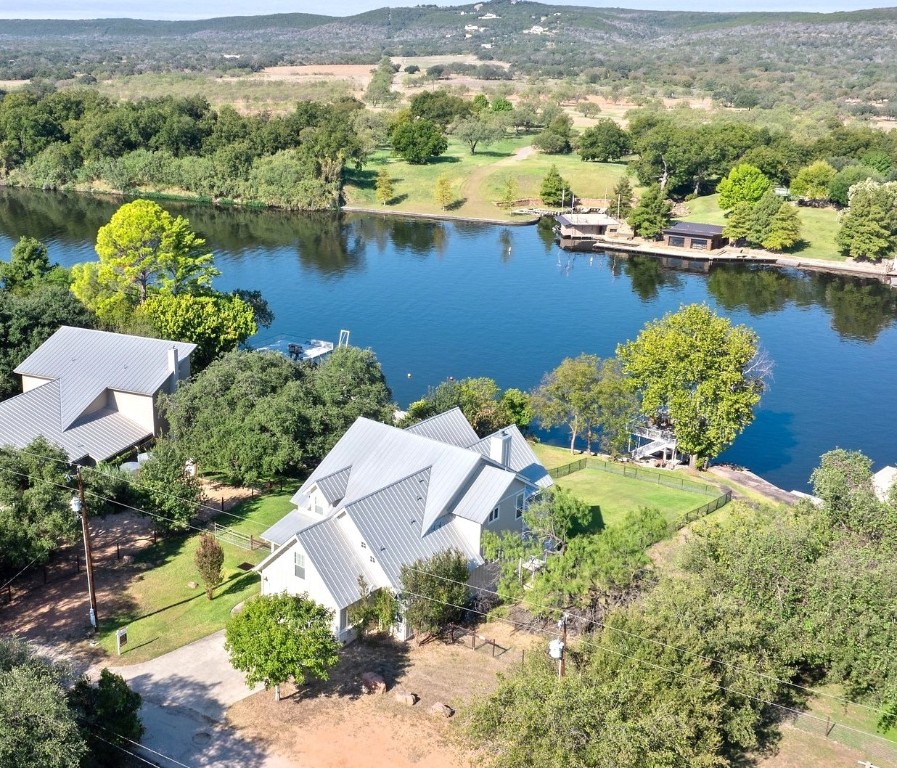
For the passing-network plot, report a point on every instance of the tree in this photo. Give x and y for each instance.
(443, 192)
(216, 323)
(704, 373)
(604, 142)
(508, 192)
(438, 107)
(280, 637)
(869, 227)
(784, 229)
(556, 137)
(652, 213)
(243, 416)
(434, 591)
(29, 267)
(478, 129)
(142, 248)
(585, 394)
(744, 184)
(28, 320)
(209, 559)
(555, 189)
(379, 90)
(34, 503)
(106, 712)
(840, 185)
(812, 181)
(620, 203)
(555, 515)
(166, 489)
(37, 727)
(383, 187)
(375, 610)
(417, 140)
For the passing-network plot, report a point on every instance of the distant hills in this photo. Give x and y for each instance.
(740, 58)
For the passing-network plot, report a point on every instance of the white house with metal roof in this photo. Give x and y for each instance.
(385, 497)
(93, 393)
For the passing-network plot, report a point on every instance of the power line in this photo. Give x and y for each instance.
(142, 746)
(593, 644)
(695, 654)
(126, 751)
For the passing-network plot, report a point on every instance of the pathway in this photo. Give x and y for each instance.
(186, 694)
(755, 483)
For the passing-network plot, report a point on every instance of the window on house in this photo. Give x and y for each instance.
(493, 515)
(519, 506)
(699, 245)
(299, 564)
(677, 240)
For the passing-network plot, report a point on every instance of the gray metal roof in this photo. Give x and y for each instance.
(335, 560)
(285, 528)
(450, 427)
(389, 522)
(100, 435)
(523, 460)
(489, 487)
(690, 228)
(87, 362)
(380, 455)
(334, 486)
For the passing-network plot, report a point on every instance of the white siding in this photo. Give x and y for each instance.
(280, 576)
(30, 382)
(101, 401)
(137, 408)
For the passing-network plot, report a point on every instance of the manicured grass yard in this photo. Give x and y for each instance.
(612, 496)
(162, 613)
(819, 227)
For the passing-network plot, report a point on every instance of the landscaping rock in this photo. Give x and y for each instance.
(192, 585)
(408, 699)
(371, 682)
(443, 710)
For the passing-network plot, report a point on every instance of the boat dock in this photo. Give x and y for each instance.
(300, 350)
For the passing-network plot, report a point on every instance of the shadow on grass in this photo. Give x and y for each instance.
(456, 204)
(594, 525)
(442, 159)
(383, 655)
(397, 199)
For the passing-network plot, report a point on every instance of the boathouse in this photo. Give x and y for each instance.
(586, 226)
(699, 237)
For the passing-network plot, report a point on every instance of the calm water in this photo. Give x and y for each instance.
(437, 300)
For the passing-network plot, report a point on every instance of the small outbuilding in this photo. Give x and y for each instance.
(699, 237)
(586, 226)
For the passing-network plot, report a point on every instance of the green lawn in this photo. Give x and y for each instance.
(163, 613)
(477, 179)
(819, 227)
(612, 496)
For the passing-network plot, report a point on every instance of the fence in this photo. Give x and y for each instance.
(242, 540)
(658, 478)
(875, 749)
(637, 473)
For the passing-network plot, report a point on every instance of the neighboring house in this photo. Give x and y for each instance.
(883, 481)
(385, 497)
(93, 393)
(699, 237)
(586, 226)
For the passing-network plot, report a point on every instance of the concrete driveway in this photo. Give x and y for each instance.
(186, 694)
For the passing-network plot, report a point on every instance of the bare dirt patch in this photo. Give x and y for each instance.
(332, 724)
(799, 749)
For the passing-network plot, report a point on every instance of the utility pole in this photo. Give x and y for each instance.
(79, 507)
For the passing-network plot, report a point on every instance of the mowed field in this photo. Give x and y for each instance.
(819, 227)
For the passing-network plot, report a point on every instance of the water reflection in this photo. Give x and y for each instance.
(646, 274)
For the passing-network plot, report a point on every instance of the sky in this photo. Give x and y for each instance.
(198, 9)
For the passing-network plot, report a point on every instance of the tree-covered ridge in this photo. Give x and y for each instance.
(743, 59)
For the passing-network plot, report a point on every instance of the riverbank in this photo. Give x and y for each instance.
(528, 221)
(885, 272)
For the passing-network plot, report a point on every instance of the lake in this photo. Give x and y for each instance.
(438, 299)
